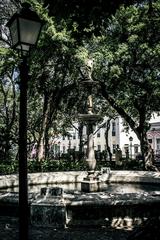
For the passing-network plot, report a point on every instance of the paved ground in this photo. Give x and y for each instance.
(9, 231)
(148, 231)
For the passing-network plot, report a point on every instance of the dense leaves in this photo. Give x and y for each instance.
(125, 48)
(128, 65)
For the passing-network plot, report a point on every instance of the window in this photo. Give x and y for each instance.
(114, 148)
(64, 149)
(63, 137)
(74, 136)
(58, 149)
(126, 148)
(150, 141)
(98, 135)
(158, 143)
(99, 147)
(113, 129)
(135, 149)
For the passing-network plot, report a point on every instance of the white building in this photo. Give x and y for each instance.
(116, 136)
(154, 133)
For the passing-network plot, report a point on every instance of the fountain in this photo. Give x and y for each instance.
(91, 183)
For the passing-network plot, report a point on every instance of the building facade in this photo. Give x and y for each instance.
(128, 142)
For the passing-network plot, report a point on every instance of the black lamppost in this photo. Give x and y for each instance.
(25, 27)
(131, 139)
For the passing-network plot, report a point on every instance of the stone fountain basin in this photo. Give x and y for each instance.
(103, 209)
(141, 177)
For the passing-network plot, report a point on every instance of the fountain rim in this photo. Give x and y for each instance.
(8, 181)
(107, 204)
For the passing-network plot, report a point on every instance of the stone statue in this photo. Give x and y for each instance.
(89, 65)
(88, 69)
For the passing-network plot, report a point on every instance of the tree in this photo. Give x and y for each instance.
(127, 67)
(51, 82)
(8, 105)
(125, 49)
(85, 17)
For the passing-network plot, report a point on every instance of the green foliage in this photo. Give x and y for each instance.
(9, 168)
(126, 53)
(44, 166)
(66, 165)
(127, 57)
(56, 165)
(8, 104)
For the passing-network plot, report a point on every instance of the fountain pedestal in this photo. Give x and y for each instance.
(91, 183)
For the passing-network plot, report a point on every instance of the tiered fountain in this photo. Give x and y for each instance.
(91, 183)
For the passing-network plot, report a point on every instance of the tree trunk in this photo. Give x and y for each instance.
(106, 138)
(10, 114)
(80, 131)
(147, 153)
(140, 131)
(41, 141)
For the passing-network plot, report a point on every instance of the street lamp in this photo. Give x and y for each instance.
(131, 139)
(25, 27)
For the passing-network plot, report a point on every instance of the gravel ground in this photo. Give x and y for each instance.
(9, 231)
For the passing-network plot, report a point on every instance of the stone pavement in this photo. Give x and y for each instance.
(9, 231)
